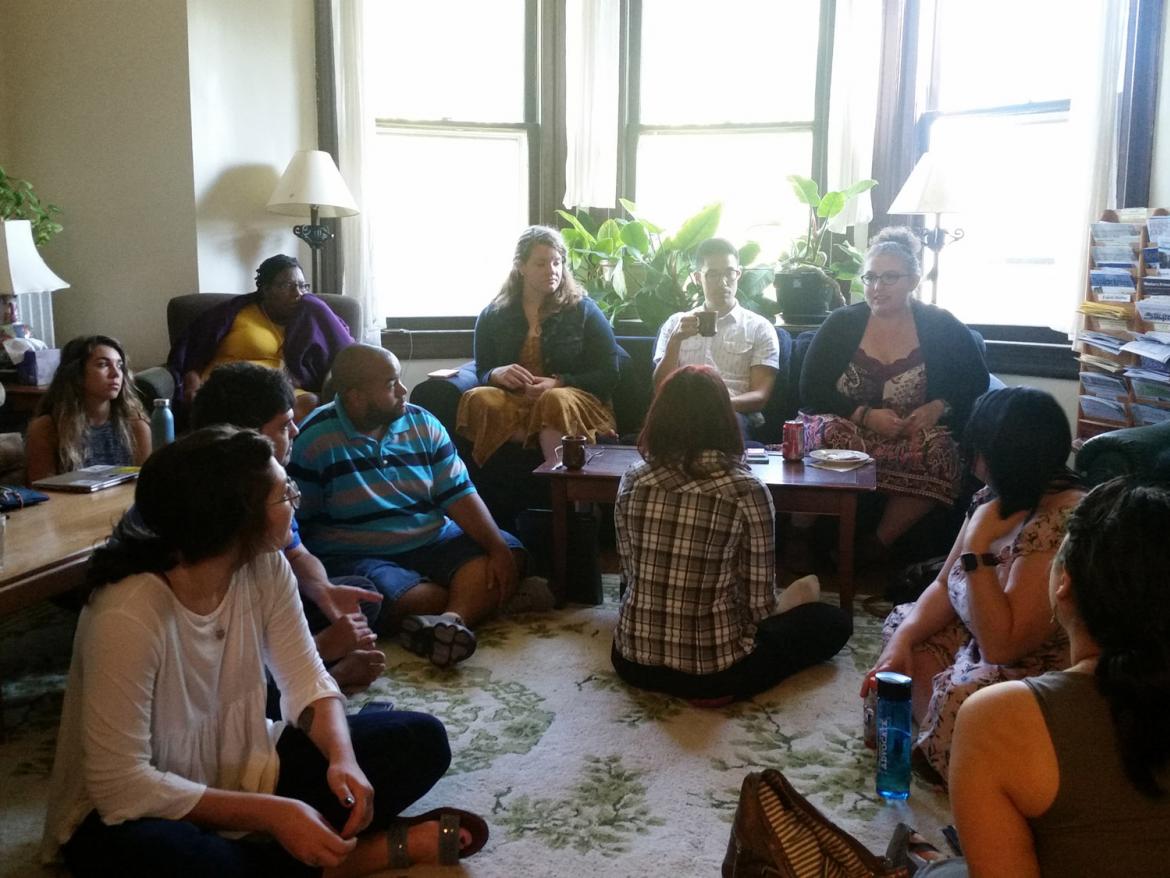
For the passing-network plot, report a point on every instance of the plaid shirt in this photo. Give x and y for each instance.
(699, 561)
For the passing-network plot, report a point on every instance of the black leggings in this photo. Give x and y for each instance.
(785, 644)
(401, 753)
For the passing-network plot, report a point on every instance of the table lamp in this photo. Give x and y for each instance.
(22, 271)
(930, 189)
(311, 184)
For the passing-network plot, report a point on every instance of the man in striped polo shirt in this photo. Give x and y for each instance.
(386, 496)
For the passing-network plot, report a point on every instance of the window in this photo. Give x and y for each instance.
(726, 109)
(453, 148)
(997, 97)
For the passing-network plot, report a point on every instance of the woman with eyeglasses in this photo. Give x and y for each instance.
(166, 763)
(545, 355)
(281, 326)
(90, 414)
(895, 378)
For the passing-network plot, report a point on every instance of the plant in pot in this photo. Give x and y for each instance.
(19, 201)
(631, 268)
(818, 273)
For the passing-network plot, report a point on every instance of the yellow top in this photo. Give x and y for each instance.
(252, 338)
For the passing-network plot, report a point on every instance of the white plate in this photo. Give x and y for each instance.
(838, 455)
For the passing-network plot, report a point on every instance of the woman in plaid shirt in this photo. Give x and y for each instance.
(701, 617)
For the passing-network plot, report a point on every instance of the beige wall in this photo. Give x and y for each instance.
(253, 104)
(160, 126)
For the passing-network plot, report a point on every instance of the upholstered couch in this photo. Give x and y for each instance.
(1134, 451)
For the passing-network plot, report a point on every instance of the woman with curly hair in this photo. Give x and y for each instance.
(90, 414)
(545, 356)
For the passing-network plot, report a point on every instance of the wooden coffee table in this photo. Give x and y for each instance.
(795, 487)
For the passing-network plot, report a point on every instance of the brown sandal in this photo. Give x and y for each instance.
(450, 821)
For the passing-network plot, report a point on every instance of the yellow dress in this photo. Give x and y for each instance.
(490, 416)
(252, 338)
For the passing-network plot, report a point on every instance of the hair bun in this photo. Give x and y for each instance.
(903, 236)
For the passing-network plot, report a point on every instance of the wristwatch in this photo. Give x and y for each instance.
(970, 560)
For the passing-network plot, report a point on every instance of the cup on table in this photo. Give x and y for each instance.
(571, 454)
(706, 323)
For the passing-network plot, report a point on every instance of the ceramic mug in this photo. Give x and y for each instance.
(706, 323)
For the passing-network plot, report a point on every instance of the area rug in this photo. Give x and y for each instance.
(576, 773)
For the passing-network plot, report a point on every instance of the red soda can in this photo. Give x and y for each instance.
(793, 436)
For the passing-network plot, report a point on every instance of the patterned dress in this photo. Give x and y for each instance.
(926, 464)
(956, 651)
(490, 416)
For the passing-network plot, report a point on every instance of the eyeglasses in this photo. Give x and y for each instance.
(888, 279)
(291, 285)
(292, 496)
(721, 273)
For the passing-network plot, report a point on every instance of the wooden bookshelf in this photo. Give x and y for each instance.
(1106, 397)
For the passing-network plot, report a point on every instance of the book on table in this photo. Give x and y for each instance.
(88, 479)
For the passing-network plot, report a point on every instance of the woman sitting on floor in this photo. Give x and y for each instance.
(1069, 773)
(894, 378)
(986, 618)
(90, 414)
(701, 617)
(281, 326)
(164, 743)
(545, 355)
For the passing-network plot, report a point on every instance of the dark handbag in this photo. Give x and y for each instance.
(777, 833)
(16, 497)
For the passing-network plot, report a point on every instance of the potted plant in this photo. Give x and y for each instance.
(817, 273)
(19, 201)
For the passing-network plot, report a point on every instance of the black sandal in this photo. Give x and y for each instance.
(450, 820)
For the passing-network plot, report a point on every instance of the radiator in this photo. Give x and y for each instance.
(36, 311)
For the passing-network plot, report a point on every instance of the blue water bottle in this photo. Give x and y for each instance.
(893, 735)
(162, 425)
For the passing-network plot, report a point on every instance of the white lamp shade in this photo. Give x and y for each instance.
(21, 268)
(312, 180)
(931, 188)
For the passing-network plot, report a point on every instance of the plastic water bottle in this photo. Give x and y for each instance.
(162, 425)
(893, 735)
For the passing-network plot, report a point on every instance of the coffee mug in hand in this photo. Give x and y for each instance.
(706, 323)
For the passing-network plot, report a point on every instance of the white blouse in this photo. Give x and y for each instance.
(162, 702)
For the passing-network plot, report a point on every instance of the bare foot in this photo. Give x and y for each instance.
(358, 670)
(345, 634)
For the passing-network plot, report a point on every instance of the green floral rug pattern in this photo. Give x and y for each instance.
(576, 773)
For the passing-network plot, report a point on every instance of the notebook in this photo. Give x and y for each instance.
(88, 479)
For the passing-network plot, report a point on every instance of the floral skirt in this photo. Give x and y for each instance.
(490, 416)
(962, 671)
(926, 464)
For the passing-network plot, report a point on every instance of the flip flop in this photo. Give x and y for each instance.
(442, 639)
(909, 850)
(450, 820)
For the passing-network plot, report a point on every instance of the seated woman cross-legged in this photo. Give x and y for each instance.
(281, 326)
(90, 414)
(701, 617)
(164, 743)
(986, 618)
(895, 378)
(545, 355)
(1069, 773)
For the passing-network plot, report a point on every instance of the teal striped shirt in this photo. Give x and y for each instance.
(361, 497)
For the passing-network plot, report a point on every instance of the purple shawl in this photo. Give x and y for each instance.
(311, 340)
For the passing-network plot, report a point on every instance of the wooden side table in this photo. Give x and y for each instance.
(23, 398)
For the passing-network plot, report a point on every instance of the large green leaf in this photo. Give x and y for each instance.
(859, 187)
(831, 205)
(755, 280)
(634, 236)
(749, 252)
(806, 190)
(587, 238)
(610, 231)
(618, 278)
(632, 210)
(696, 229)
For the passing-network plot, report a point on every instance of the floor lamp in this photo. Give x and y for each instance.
(311, 184)
(930, 189)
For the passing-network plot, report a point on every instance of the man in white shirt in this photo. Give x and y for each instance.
(744, 350)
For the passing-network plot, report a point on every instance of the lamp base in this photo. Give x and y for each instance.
(313, 235)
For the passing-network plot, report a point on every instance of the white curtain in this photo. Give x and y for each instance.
(355, 133)
(591, 102)
(1093, 134)
(853, 97)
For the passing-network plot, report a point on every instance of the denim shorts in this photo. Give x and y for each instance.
(438, 561)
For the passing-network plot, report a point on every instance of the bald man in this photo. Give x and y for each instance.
(384, 495)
